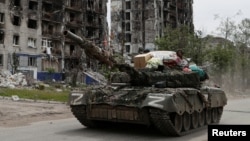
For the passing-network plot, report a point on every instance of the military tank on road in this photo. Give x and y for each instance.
(173, 101)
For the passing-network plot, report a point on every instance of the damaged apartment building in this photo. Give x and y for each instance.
(136, 24)
(31, 36)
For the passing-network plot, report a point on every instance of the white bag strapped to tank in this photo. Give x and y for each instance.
(169, 55)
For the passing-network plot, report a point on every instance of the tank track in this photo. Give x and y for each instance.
(170, 124)
(80, 113)
(165, 122)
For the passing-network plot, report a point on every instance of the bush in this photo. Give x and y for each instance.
(40, 87)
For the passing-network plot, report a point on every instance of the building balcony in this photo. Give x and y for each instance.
(76, 8)
(75, 23)
(51, 17)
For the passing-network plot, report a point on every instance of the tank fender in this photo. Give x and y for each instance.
(180, 101)
(77, 98)
(216, 97)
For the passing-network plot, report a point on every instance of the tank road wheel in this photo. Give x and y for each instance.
(208, 116)
(220, 111)
(214, 115)
(178, 122)
(201, 118)
(186, 121)
(169, 124)
(194, 119)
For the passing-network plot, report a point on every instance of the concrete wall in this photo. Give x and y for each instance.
(22, 30)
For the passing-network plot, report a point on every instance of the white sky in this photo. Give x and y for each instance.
(204, 12)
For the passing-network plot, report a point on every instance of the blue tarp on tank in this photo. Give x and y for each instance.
(90, 80)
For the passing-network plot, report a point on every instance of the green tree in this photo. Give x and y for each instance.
(221, 57)
(242, 41)
(231, 60)
(227, 30)
(183, 38)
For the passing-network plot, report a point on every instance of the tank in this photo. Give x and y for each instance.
(172, 101)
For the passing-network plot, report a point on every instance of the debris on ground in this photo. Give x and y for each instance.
(9, 80)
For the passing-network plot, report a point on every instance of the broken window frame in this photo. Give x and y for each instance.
(128, 37)
(72, 30)
(46, 43)
(128, 5)
(50, 28)
(16, 20)
(16, 2)
(72, 49)
(33, 5)
(1, 17)
(32, 61)
(1, 59)
(128, 26)
(73, 3)
(16, 40)
(72, 17)
(127, 47)
(32, 24)
(47, 7)
(128, 15)
(32, 42)
(1, 37)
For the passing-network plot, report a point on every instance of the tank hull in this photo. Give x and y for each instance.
(173, 111)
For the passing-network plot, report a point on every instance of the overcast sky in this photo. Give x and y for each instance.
(204, 12)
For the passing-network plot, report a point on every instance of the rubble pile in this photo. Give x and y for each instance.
(12, 80)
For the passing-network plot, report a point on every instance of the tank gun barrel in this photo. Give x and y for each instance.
(95, 52)
(90, 49)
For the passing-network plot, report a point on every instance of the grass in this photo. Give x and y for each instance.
(35, 94)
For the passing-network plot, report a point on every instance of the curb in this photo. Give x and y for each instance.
(17, 99)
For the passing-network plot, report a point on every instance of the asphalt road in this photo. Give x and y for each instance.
(235, 112)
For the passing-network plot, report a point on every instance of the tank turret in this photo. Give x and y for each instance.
(132, 76)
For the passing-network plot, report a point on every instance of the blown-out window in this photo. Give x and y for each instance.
(128, 4)
(32, 24)
(31, 42)
(31, 61)
(1, 37)
(33, 5)
(46, 43)
(17, 2)
(1, 18)
(16, 20)
(127, 48)
(1, 59)
(16, 40)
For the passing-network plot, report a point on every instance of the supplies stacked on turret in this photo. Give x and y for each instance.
(149, 73)
(140, 61)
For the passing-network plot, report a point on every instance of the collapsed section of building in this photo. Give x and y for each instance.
(31, 33)
(137, 23)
